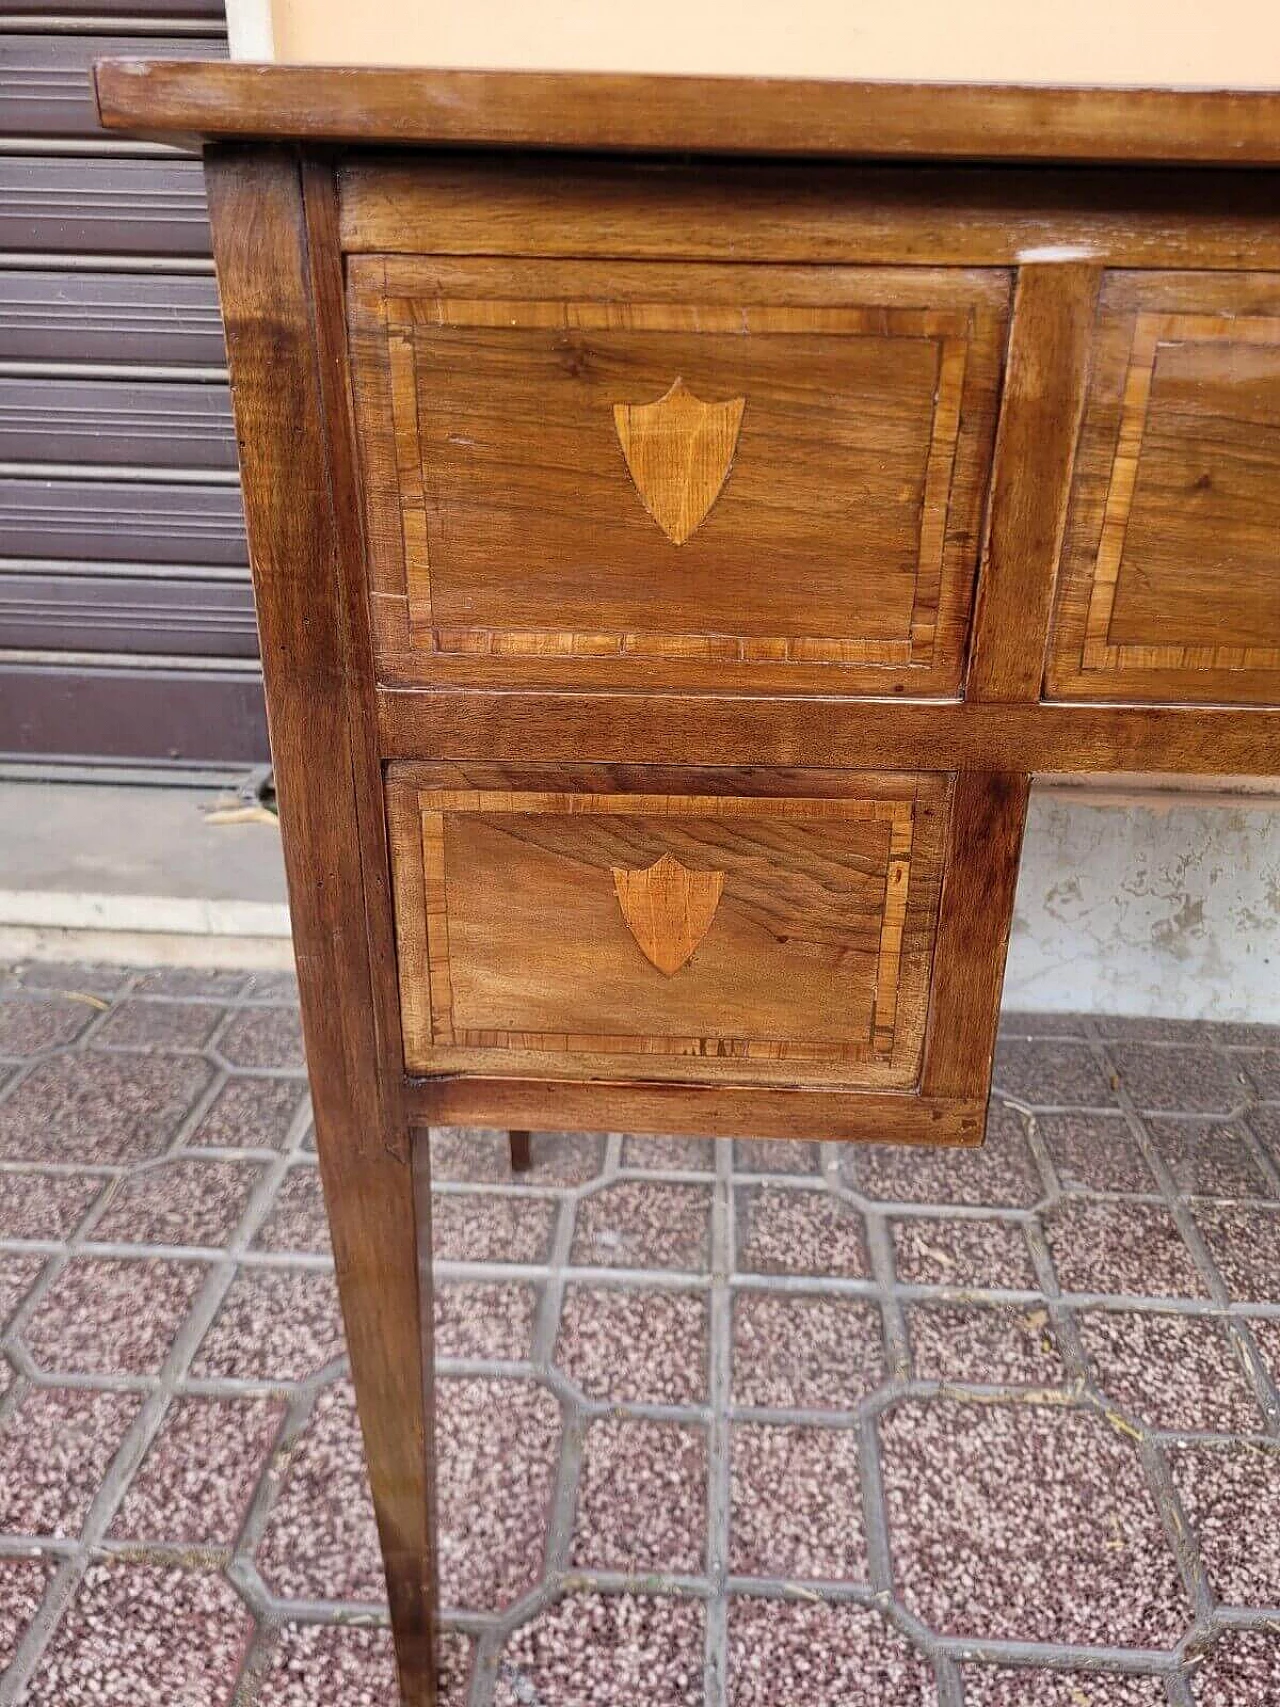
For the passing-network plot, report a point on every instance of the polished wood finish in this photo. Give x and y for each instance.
(291, 468)
(1039, 419)
(670, 573)
(716, 115)
(755, 730)
(831, 542)
(817, 896)
(711, 1110)
(813, 211)
(1171, 574)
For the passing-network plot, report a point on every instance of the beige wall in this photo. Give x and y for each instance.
(1201, 42)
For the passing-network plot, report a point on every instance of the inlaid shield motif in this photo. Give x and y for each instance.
(679, 451)
(668, 909)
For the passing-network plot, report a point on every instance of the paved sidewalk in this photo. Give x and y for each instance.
(745, 1426)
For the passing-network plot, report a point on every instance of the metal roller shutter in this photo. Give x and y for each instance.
(126, 615)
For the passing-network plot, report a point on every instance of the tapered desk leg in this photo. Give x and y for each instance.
(279, 275)
(521, 1152)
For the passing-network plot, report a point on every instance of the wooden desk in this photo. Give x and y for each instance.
(683, 514)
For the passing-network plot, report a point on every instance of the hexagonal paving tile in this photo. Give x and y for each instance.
(497, 1446)
(99, 1108)
(146, 1634)
(321, 1539)
(112, 1316)
(1026, 1523)
(1231, 1493)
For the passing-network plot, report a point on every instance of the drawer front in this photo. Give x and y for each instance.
(766, 929)
(611, 474)
(1170, 580)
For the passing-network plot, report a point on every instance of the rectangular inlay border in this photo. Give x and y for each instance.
(435, 805)
(951, 330)
(1098, 653)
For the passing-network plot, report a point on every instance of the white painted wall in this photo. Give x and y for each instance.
(1167, 907)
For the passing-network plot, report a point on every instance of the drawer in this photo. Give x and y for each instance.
(687, 925)
(1170, 580)
(694, 476)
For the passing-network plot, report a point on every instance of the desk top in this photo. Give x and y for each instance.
(612, 113)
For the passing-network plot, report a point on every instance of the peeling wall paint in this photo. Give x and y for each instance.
(1161, 909)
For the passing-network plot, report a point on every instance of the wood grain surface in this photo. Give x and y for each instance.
(722, 115)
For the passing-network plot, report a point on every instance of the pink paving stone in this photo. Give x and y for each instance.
(1026, 1523)
(158, 1025)
(1009, 1686)
(1095, 1152)
(297, 1221)
(22, 1586)
(54, 1451)
(321, 1540)
(17, 1277)
(145, 1635)
(951, 1252)
(783, 1653)
(498, 1450)
(482, 1155)
(190, 981)
(1000, 1175)
(1266, 1334)
(1052, 1072)
(272, 987)
(804, 1352)
(45, 1206)
(250, 1114)
(178, 1203)
(485, 1226)
(606, 1650)
(796, 1503)
(635, 1345)
(1187, 1078)
(1262, 1068)
(99, 1108)
(774, 1156)
(665, 1153)
(1242, 1670)
(1244, 1242)
(480, 1319)
(111, 1315)
(1264, 1123)
(1231, 1494)
(642, 1498)
(781, 1231)
(644, 1224)
(264, 1037)
(71, 977)
(28, 1027)
(1209, 1159)
(196, 1481)
(1000, 1343)
(1120, 1247)
(1170, 1371)
(275, 1324)
(335, 1665)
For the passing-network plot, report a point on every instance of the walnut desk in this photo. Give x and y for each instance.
(683, 514)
